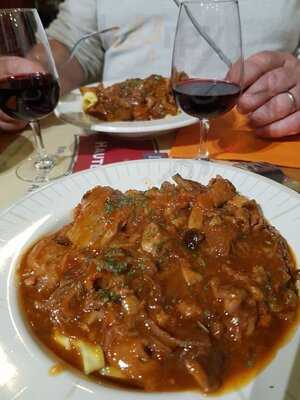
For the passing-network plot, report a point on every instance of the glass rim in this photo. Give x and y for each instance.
(17, 9)
(208, 1)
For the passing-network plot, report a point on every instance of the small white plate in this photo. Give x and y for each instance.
(69, 109)
(24, 365)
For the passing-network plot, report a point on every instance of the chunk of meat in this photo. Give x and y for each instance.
(259, 274)
(196, 218)
(232, 296)
(220, 191)
(130, 355)
(187, 184)
(157, 349)
(250, 283)
(238, 201)
(239, 310)
(205, 369)
(62, 302)
(191, 277)
(98, 217)
(89, 218)
(45, 264)
(220, 237)
(207, 383)
(188, 309)
(256, 217)
(152, 239)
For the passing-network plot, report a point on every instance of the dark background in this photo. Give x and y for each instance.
(46, 8)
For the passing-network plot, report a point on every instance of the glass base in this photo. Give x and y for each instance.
(202, 156)
(45, 164)
(42, 171)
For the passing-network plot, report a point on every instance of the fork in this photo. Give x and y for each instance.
(85, 37)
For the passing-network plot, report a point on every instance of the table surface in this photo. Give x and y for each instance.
(60, 139)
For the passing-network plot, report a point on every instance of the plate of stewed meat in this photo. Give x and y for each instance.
(132, 108)
(156, 278)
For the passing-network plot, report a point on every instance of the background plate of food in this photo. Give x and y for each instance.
(135, 108)
(187, 280)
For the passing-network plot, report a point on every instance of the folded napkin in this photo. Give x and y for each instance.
(231, 138)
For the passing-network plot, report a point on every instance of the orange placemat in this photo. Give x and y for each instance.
(231, 138)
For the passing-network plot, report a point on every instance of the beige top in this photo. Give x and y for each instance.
(143, 44)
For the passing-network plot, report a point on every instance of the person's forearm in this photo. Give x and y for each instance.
(71, 74)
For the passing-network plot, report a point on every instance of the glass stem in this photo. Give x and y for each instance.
(43, 161)
(203, 153)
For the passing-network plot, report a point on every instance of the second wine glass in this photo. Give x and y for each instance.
(207, 64)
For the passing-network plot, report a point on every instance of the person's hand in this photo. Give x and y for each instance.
(8, 124)
(272, 96)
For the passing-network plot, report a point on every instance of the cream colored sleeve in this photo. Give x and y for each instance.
(75, 19)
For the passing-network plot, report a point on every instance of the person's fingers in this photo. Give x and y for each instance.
(260, 63)
(269, 76)
(9, 127)
(277, 108)
(235, 73)
(12, 65)
(5, 117)
(9, 124)
(267, 86)
(284, 127)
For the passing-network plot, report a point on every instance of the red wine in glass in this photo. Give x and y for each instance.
(206, 98)
(29, 96)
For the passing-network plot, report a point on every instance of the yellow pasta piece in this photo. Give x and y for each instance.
(89, 100)
(62, 340)
(112, 372)
(92, 356)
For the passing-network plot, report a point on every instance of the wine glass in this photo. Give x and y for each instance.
(207, 64)
(29, 88)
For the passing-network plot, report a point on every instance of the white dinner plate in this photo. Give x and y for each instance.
(24, 365)
(69, 109)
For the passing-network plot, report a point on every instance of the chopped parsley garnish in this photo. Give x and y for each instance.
(125, 201)
(112, 205)
(141, 264)
(116, 266)
(138, 268)
(107, 295)
(114, 260)
(109, 206)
